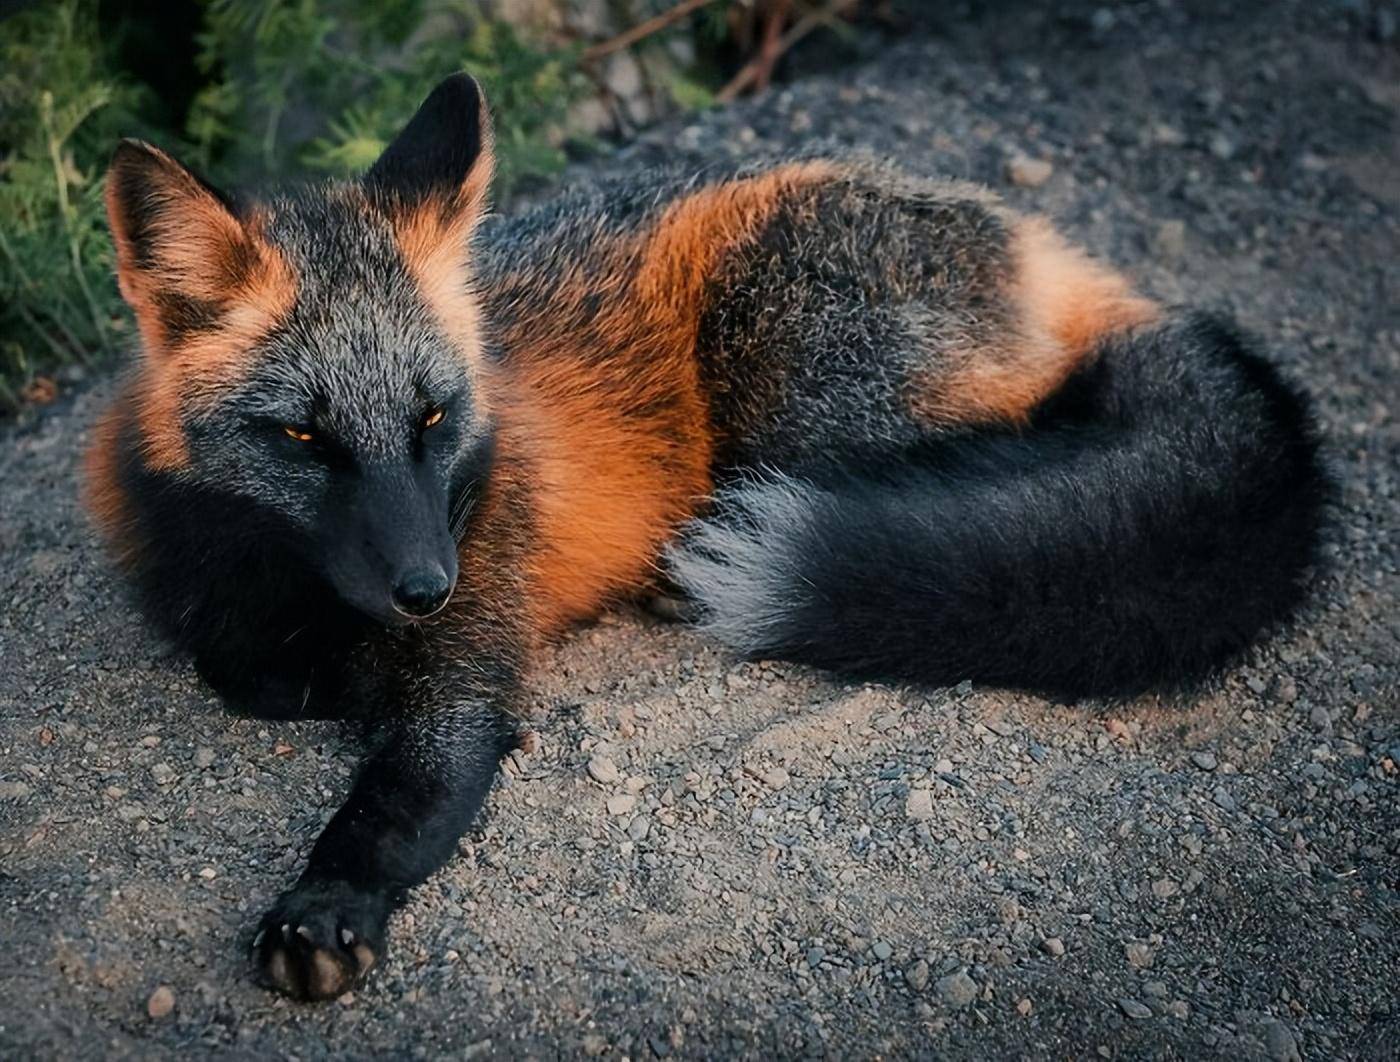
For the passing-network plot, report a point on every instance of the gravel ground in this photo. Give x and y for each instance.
(711, 858)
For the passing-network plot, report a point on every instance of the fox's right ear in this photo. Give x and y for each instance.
(443, 159)
(183, 254)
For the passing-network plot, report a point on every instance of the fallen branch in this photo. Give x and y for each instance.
(644, 29)
(757, 69)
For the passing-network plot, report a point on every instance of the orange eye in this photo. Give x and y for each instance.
(434, 418)
(298, 434)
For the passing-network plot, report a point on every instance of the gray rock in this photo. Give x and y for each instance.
(957, 989)
(1134, 1009)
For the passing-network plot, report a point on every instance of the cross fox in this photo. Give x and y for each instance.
(380, 445)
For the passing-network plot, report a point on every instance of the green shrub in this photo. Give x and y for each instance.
(59, 111)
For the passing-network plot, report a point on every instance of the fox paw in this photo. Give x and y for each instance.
(319, 939)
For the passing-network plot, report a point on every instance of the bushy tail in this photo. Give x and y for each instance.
(1160, 514)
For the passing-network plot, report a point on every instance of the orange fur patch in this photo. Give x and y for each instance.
(103, 496)
(1065, 304)
(622, 461)
(680, 255)
(192, 374)
(1068, 296)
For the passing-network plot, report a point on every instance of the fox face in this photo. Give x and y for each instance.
(317, 358)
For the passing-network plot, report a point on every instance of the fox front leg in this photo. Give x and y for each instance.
(412, 801)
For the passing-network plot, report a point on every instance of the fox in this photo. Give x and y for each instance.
(380, 445)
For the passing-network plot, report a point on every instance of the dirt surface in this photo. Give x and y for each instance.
(712, 858)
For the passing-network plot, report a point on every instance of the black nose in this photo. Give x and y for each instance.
(421, 593)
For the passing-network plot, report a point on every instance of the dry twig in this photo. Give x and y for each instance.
(644, 29)
(758, 69)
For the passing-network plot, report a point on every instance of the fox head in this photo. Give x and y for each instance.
(317, 356)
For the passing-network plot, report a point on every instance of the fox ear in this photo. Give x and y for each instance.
(431, 184)
(443, 157)
(183, 255)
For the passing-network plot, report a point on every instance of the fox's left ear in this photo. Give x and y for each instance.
(443, 160)
(431, 184)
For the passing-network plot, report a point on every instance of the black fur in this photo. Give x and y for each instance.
(1161, 513)
(264, 628)
(435, 151)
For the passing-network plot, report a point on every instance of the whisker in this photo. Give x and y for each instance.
(462, 510)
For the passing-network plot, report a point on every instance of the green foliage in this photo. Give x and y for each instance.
(322, 85)
(689, 93)
(59, 110)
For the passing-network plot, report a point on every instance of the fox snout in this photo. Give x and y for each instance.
(390, 549)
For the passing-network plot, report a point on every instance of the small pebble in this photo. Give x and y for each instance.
(1025, 172)
(622, 804)
(1133, 1009)
(1223, 148)
(603, 771)
(161, 1003)
(1280, 1043)
(919, 804)
(957, 988)
(1139, 954)
(775, 778)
